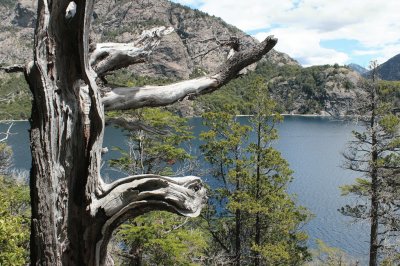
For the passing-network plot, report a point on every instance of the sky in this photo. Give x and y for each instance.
(316, 32)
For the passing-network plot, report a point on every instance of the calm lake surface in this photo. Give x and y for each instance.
(312, 146)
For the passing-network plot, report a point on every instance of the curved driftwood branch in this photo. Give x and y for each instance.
(111, 56)
(152, 96)
(134, 195)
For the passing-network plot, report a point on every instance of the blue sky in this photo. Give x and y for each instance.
(317, 32)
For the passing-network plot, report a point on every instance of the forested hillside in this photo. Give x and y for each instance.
(322, 90)
(197, 45)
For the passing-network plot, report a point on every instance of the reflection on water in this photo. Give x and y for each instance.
(312, 145)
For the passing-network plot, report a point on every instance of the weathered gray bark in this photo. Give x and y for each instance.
(73, 211)
(111, 56)
(374, 243)
(137, 97)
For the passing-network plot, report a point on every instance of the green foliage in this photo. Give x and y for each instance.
(155, 152)
(288, 84)
(255, 180)
(389, 91)
(375, 154)
(223, 141)
(5, 157)
(198, 72)
(330, 256)
(159, 238)
(15, 97)
(14, 222)
(392, 260)
(362, 187)
(232, 94)
(164, 238)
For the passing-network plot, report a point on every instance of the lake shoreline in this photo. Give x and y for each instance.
(293, 115)
(195, 116)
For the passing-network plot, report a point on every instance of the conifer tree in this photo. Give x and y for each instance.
(272, 213)
(224, 149)
(158, 238)
(269, 218)
(375, 154)
(14, 213)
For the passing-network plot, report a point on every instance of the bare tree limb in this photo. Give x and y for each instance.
(7, 133)
(135, 195)
(111, 56)
(152, 96)
(186, 194)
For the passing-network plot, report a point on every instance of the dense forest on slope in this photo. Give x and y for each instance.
(193, 49)
(322, 90)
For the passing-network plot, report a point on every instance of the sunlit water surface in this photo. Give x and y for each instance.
(313, 147)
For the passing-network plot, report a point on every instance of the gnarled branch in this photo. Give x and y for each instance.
(134, 195)
(151, 96)
(112, 56)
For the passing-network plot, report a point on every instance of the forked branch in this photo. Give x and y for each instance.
(112, 56)
(152, 96)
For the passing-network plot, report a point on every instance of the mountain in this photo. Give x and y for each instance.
(192, 49)
(390, 70)
(320, 90)
(359, 69)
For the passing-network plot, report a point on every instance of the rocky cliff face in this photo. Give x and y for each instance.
(16, 31)
(321, 90)
(195, 46)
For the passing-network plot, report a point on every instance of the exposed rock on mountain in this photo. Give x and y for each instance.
(196, 46)
(320, 90)
(317, 90)
(16, 31)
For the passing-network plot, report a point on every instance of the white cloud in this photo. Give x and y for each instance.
(247, 15)
(374, 24)
(387, 52)
(304, 45)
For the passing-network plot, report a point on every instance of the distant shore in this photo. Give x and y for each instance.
(285, 114)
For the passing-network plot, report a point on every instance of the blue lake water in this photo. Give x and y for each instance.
(312, 146)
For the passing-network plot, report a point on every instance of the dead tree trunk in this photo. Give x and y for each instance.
(73, 211)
